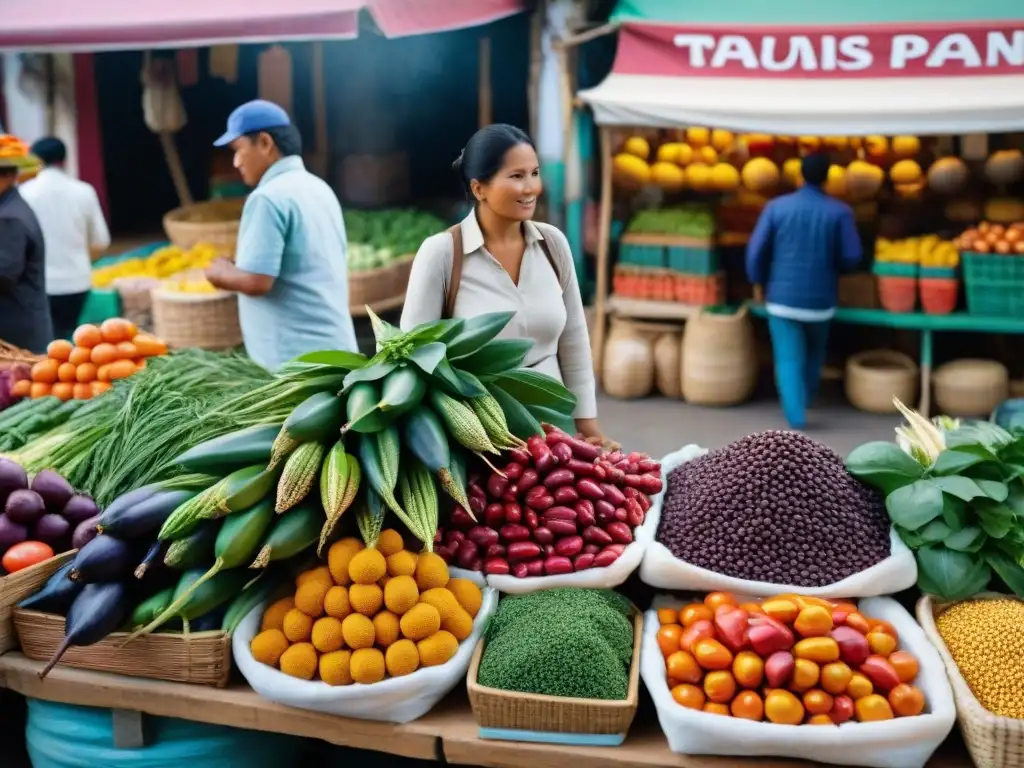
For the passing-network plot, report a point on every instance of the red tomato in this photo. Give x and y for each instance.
(26, 554)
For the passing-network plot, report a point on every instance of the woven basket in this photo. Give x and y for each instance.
(376, 285)
(719, 359)
(214, 222)
(971, 387)
(873, 378)
(493, 708)
(203, 658)
(993, 741)
(137, 301)
(18, 586)
(10, 354)
(201, 320)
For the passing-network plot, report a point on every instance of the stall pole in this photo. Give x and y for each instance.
(485, 108)
(321, 157)
(603, 245)
(536, 57)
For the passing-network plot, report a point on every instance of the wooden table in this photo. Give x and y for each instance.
(448, 733)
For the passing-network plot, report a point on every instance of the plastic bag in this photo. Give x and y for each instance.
(906, 742)
(662, 569)
(394, 700)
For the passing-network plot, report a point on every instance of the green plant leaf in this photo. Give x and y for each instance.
(970, 539)
(883, 465)
(952, 575)
(961, 487)
(980, 437)
(912, 539)
(996, 519)
(428, 356)
(372, 372)
(936, 531)
(382, 330)
(955, 462)
(337, 358)
(914, 506)
(454, 384)
(532, 388)
(1015, 498)
(553, 417)
(1010, 572)
(954, 512)
(994, 490)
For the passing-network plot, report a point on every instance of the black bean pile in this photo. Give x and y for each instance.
(775, 507)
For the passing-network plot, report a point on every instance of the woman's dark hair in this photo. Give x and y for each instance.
(286, 138)
(50, 150)
(484, 153)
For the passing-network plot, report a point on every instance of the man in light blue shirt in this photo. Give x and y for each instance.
(291, 261)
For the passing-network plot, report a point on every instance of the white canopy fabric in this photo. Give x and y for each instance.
(813, 107)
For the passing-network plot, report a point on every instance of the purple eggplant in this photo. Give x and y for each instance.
(144, 517)
(56, 595)
(79, 507)
(12, 478)
(54, 489)
(52, 529)
(85, 532)
(25, 507)
(105, 558)
(98, 610)
(11, 533)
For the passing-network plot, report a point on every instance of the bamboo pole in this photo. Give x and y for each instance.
(536, 60)
(586, 37)
(322, 154)
(603, 248)
(485, 108)
(170, 150)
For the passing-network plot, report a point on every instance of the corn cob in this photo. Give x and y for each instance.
(370, 517)
(187, 517)
(413, 503)
(283, 445)
(339, 482)
(492, 417)
(462, 422)
(300, 471)
(423, 484)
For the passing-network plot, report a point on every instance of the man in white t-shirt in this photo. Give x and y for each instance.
(74, 231)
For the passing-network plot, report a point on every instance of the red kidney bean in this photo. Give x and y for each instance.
(560, 513)
(535, 568)
(476, 489)
(566, 495)
(513, 514)
(482, 537)
(520, 455)
(534, 494)
(523, 550)
(497, 566)
(590, 489)
(583, 562)
(583, 450)
(649, 465)
(557, 564)
(542, 503)
(597, 535)
(599, 472)
(591, 549)
(585, 512)
(562, 452)
(513, 471)
(549, 550)
(621, 515)
(494, 515)
(582, 468)
(496, 485)
(634, 513)
(495, 550)
(553, 435)
(454, 537)
(613, 474)
(604, 507)
(569, 545)
(520, 571)
(604, 558)
(619, 532)
(627, 466)
(543, 535)
(613, 457)
(444, 552)
(529, 480)
(476, 564)
(618, 549)
(514, 533)
(559, 477)
(560, 527)
(637, 456)
(613, 494)
(438, 536)
(543, 459)
(477, 504)
(603, 518)
(511, 494)
(467, 551)
(531, 519)
(649, 484)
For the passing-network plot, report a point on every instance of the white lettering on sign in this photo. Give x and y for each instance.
(957, 47)
(905, 48)
(698, 47)
(734, 48)
(1002, 50)
(800, 49)
(856, 53)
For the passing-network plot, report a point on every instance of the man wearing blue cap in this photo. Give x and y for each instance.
(291, 261)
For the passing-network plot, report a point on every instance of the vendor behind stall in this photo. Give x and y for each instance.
(291, 261)
(800, 245)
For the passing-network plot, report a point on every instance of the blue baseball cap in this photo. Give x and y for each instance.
(253, 116)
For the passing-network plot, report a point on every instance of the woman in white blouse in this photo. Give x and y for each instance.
(499, 260)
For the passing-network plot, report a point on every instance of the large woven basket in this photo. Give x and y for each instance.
(137, 300)
(203, 658)
(971, 387)
(874, 377)
(10, 354)
(204, 320)
(18, 586)
(377, 285)
(993, 741)
(214, 222)
(512, 710)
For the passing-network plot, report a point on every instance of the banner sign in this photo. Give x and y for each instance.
(871, 51)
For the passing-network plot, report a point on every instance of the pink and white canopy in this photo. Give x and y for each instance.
(93, 25)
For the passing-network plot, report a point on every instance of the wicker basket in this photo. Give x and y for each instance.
(203, 658)
(202, 320)
(993, 741)
(873, 378)
(10, 354)
(512, 710)
(18, 586)
(214, 222)
(376, 285)
(137, 301)
(971, 388)
(719, 359)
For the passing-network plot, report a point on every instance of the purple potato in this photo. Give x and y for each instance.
(55, 490)
(12, 478)
(79, 507)
(25, 507)
(11, 533)
(85, 532)
(52, 529)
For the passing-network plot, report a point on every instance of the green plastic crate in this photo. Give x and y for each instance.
(944, 273)
(692, 260)
(994, 284)
(890, 269)
(642, 255)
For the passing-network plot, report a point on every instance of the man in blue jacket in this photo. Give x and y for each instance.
(801, 244)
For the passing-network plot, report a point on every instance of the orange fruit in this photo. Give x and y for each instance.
(752, 608)
(858, 622)
(747, 706)
(149, 346)
(121, 369)
(878, 625)
(813, 621)
(21, 388)
(99, 387)
(783, 708)
(905, 664)
(844, 607)
(59, 350)
(859, 687)
(67, 372)
(45, 371)
(805, 675)
(63, 390)
(117, 329)
(140, 363)
(817, 702)
(835, 677)
(906, 700)
(667, 616)
(683, 667)
(689, 696)
(104, 353)
(872, 708)
(127, 351)
(881, 643)
(87, 335)
(668, 639)
(85, 373)
(38, 389)
(83, 391)
(103, 373)
(716, 599)
(781, 609)
(748, 669)
(820, 720)
(711, 654)
(695, 612)
(714, 708)
(80, 355)
(719, 687)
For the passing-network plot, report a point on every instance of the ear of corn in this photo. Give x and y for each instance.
(378, 457)
(462, 423)
(300, 471)
(423, 486)
(283, 445)
(370, 517)
(339, 482)
(186, 518)
(492, 417)
(413, 505)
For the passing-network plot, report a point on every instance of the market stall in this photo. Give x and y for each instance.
(713, 107)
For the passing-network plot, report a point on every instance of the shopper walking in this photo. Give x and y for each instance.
(498, 259)
(801, 244)
(24, 314)
(75, 232)
(291, 261)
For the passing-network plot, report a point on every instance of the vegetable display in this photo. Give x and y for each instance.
(9, 377)
(559, 505)
(369, 614)
(789, 660)
(560, 642)
(162, 263)
(775, 507)
(379, 238)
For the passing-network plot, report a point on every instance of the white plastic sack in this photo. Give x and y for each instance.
(393, 700)
(664, 570)
(906, 742)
